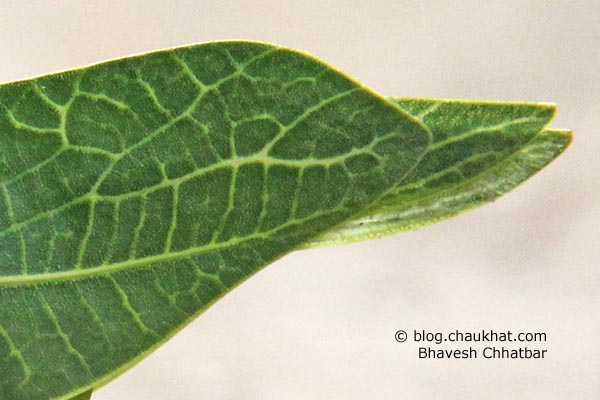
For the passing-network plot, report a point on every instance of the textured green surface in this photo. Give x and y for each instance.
(136, 193)
(83, 396)
(480, 150)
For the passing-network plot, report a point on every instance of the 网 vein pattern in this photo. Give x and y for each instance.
(135, 193)
(480, 150)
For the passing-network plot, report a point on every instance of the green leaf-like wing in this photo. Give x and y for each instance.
(135, 193)
(480, 150)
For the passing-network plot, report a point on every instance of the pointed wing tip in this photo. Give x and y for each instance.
(566, 135)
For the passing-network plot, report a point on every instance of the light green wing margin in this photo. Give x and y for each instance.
(480, 151)
(135, 193)
(83, 396)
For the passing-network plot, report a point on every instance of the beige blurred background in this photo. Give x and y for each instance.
(320, 324)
